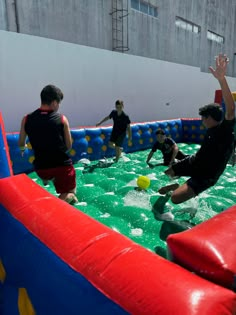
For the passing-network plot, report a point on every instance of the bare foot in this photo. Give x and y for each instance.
(164, 190)
(69, 197)
(45, 182)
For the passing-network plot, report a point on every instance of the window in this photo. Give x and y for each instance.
(187, 25)
(144, 7)
(215, 37)
(135, 4)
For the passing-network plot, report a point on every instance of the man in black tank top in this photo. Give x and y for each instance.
(49, 135)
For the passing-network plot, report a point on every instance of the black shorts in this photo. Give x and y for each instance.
(117, 138)
(197, 182)
(183, 167)
(198, 185)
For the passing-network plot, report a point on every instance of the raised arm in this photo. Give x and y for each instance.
(102, 121)
(219, 73)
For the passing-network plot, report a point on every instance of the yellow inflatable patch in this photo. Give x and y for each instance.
(24, 304)
(2, 272)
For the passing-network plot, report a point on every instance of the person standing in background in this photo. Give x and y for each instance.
(120, 127)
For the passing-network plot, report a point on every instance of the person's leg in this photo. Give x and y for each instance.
(158, 209)
(180, 155)
(63, 179)
(179, 193)
(232, 159)
(118, 146)
(166, 163)
(45, 182)
(112, 140)
(69, 197)
(118, 153)
(65, 183)
(164, 190)
(192, 188)
(181, 168)
(111, 145)
(170, 172)
(182, 194)
(45, 175)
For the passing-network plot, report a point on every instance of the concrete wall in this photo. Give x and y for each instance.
(161, 39)
(89, 22)
(93, 79)
(86, 22)
(3, 17)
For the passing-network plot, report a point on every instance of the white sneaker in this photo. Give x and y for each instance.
(192, 212)
(167, 216)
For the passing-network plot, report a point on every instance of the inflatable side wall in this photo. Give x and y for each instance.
(92, 143)
(56, 260)
(208, 249)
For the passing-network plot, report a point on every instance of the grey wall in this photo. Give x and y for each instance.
(3, 16)
(86, 22)
(93, 79)
(161, 39)
(89, 22)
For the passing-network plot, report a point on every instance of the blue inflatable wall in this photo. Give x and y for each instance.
(92, 143)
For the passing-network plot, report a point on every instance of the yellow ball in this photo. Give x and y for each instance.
(143, 182)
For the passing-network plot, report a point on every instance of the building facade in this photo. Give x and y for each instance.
(190, 32)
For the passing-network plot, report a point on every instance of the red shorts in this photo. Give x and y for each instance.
(63, 177)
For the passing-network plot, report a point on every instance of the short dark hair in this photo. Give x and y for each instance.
(51, 93)
(213, 110)
(160, 132)
(120, 102)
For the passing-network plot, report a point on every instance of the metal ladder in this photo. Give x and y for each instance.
(120, 25)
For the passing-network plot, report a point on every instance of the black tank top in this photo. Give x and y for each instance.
(45, 131)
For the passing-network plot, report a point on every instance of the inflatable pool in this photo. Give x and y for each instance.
(56, 259)
(108, 192)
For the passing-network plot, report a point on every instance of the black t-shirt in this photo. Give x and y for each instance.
(215, 151)
(120, 122)
(45, 130)
(166, 147)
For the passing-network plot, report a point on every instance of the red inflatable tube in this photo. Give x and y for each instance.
(139, 281)
(218, 96)
(209, 248)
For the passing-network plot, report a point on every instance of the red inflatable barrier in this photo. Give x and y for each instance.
(209, 248)
(138, 280)
(218, 96)
(5, 161)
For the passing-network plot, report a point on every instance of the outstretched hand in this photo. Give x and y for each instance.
(221, 66)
